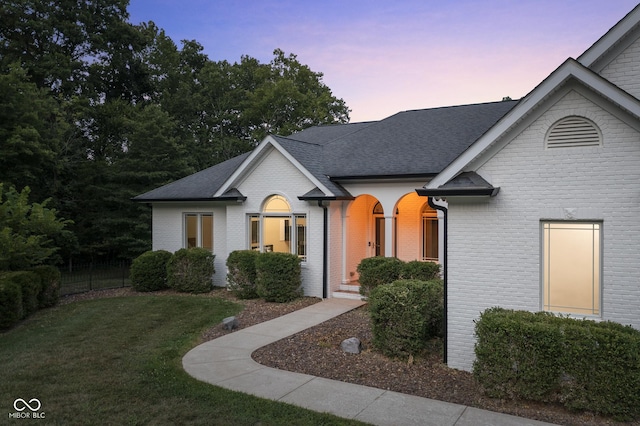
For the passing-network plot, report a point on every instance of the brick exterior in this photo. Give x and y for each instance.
(494, 245)
(623, 71)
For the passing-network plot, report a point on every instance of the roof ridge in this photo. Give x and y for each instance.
(296, 140)
(454, 106)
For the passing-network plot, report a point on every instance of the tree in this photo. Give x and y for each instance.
(95, 110)
(290, 97)
(30, 234)
(30, 133)
(55, 40)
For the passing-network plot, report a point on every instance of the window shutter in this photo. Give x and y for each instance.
(573, 132)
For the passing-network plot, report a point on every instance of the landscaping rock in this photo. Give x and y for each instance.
(351, 345)
(230, 323)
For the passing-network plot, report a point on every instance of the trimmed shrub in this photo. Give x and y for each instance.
(585, 365)
(10, 303)
(278, 277)
(191, 270)
(517, 355)
(241, 275)
(423, 271)
(149, 271)
(30, 286)
(375, 271)
(405, 315)
(50, 285)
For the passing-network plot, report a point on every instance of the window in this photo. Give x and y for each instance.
(198, 230)
(573, 132)
(571, 267)
(429, 234)
(277, 229)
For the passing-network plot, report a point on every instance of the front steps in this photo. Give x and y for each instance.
(348, 291)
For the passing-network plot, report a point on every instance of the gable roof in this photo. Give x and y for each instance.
(407, 144)
(618, 37)
(569, 71)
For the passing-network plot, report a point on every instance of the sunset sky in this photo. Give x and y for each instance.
(383, 57)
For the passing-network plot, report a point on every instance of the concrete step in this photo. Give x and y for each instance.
(345, 294)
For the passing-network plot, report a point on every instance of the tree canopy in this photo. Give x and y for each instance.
(95, 109)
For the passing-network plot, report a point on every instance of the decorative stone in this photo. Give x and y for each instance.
(351, 345)
(230, 323)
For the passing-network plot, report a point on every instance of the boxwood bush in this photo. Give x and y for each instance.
(405, 315)
(50, 285)
(149, 271)
(375, 271)
(241, 275)
(417, 270)
(278, 277)
(191, 270)
(583, 364)
(10, 303)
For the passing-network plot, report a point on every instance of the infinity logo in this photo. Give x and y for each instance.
(26, 405)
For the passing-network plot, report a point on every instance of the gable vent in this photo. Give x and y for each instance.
(573, 132)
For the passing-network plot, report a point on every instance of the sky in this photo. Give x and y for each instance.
(383, 57)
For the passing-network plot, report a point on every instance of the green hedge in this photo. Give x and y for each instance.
(149, 271)
(241, 275)
(376, 271)
(278, 277)
(10, 303)
(50, 285)
(417, 270)
(191, 270)
(585, 365)
(405, 315)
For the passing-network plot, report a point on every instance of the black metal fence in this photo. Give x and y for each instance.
(83, 277)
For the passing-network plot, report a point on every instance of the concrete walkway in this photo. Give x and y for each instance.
(226, 362)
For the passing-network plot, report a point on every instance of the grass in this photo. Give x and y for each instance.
(118, 362)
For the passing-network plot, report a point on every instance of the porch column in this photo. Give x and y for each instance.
(388, 236)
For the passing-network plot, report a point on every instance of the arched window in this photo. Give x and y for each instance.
(377, 209)
(429, 233)
(276, 204)
(573, 132)
(277, 229)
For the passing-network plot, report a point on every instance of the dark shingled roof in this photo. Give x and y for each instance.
(198, 186)
(407, 144)
(419, 143)
(466, 183)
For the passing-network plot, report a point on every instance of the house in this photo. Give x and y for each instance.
(531, 204)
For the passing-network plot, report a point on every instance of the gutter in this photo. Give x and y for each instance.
(445, 274)
(325, 249)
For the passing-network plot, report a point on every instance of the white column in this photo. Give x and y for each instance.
(388, 236)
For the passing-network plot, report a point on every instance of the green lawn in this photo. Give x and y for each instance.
(118, 362)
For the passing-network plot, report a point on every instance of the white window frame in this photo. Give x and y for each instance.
(199, 216)
(291, 236)
(546, 280)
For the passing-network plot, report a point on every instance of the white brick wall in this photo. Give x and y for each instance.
(624, 71)
(494, 245)
(276, 175)
(168, 231)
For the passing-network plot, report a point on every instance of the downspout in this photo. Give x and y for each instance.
(445, 212)
(325, 249)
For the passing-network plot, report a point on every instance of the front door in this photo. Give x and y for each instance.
(379, 242)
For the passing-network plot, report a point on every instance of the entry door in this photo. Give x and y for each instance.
(379, 243)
